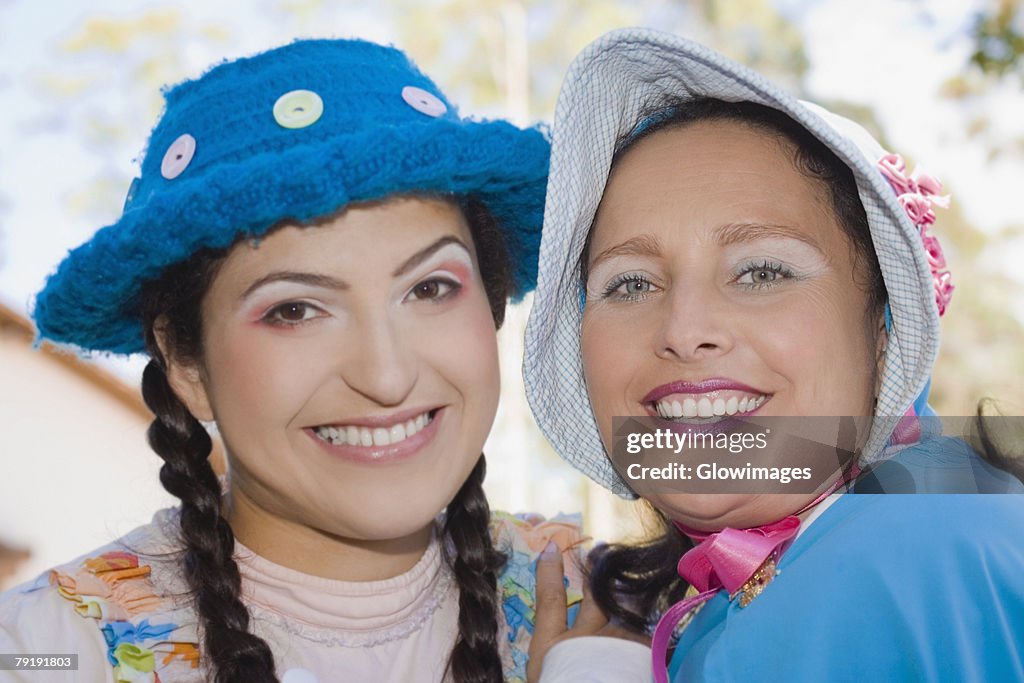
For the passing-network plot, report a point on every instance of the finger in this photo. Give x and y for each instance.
(550, 617)
(590, 618)
(551, 600)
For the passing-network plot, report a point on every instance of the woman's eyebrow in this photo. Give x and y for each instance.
(425, 253)
(313, 279)
(738, 233)
(328, 282)
(642, 245)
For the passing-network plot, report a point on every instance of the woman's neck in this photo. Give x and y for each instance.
(313, 551)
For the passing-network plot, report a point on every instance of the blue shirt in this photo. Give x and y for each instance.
(881, 588)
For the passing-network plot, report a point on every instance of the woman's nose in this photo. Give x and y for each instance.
(696, 326)
(380, 363)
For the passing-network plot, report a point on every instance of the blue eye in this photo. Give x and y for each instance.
(762, 274)
(628, 287)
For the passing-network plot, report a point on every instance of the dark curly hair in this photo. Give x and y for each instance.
(171, 308)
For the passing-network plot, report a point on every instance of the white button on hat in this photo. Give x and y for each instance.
(299, 676)
(422, 101)
(298, 109)
(178, 156)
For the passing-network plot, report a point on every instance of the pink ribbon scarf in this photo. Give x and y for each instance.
(726, 559)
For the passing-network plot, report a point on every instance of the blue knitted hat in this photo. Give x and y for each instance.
(295, 133)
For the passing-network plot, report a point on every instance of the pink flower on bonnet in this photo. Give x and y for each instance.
(918, 194)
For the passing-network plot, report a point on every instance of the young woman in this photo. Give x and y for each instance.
(315, 257)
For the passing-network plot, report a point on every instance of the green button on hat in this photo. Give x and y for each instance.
(298, 109)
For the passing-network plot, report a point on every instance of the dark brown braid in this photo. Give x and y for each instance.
(469, 550)
(476, 564)
(171, 306)
(210, 570)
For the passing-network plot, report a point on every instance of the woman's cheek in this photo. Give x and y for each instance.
(255, 365)
(607, 366)
(461, 342)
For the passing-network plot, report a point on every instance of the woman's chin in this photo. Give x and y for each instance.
(716, 511)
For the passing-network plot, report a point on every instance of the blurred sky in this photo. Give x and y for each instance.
(892, 55)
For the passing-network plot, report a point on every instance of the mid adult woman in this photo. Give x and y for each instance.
(713, 247)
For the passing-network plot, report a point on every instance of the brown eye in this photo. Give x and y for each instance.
(433, 290)
(291, 313)
(427, 290)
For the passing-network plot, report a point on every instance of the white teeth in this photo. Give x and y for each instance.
(689, 407)
(704, 407)
(748, 405)
(341, 435)
(397, 433)
(718, 406)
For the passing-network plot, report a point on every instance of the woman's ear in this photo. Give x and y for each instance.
(185, 378)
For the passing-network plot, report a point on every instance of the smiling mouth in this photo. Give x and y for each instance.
(369, 437)
(710, 407)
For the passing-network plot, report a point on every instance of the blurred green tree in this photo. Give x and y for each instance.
(111, 68)
(998, 35)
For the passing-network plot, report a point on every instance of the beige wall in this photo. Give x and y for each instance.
(75, 470)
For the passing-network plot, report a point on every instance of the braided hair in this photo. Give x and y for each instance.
(172, 323)
(469, 551)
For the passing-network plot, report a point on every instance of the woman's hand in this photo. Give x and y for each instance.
(551, 625)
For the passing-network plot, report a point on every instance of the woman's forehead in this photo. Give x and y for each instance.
(721, 177)
(694, 150)
(379, 237)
